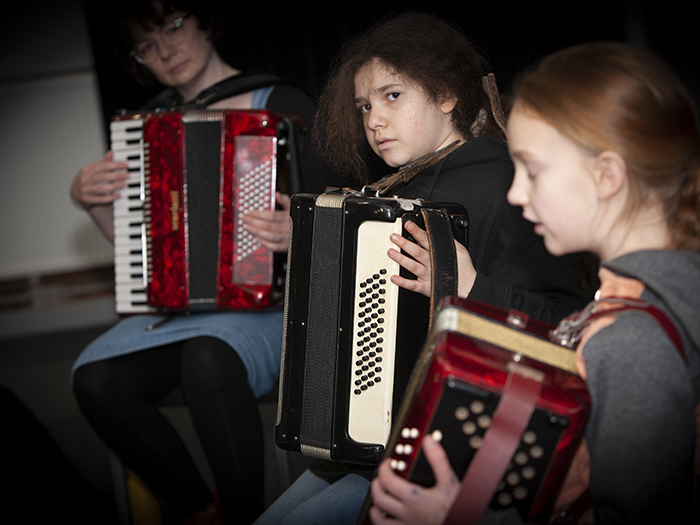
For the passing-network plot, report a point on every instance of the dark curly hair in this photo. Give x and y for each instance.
(147, 15)
(419, 46)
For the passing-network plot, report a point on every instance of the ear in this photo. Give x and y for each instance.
(447, 103)
(610, 174)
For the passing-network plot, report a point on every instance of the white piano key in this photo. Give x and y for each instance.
(126, 247)
(129, 212)
(129, 233)
(124, 124)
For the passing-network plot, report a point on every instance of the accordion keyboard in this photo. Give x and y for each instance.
(130, 290)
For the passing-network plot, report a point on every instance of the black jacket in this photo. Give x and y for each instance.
(514, 269)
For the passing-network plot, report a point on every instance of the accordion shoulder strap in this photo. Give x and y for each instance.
(235, 85)
(568, 332)
(387, 184)
(229, 87)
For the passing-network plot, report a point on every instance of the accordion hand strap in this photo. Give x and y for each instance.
(501, 440)
(443, 257)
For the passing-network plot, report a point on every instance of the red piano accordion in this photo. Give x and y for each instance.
(179, 242)
(351, 336)
(503, 400)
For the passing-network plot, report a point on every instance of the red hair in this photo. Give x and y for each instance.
(611, 96)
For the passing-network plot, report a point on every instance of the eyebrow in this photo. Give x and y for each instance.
(387, 87)
(529, 159)
(524, 155)
(148, 29)
(381, 89)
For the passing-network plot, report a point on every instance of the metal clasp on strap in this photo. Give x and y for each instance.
(568, 331)
(367, 191)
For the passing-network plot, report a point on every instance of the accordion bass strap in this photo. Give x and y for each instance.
(443, 257)
(490, 463)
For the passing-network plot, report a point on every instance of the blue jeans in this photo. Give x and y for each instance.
(311, 500)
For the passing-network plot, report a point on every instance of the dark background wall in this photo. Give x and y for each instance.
(298, 42)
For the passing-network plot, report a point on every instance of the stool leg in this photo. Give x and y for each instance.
(145, 507)
(136, 504)
(121, 492)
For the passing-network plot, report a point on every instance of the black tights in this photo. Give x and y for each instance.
(119, 396)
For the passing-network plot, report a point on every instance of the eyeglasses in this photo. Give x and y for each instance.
(171, 34)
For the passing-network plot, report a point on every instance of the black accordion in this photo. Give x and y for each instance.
(351, 337)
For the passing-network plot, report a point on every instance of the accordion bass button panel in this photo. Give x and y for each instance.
(370, 410)
(460, 423)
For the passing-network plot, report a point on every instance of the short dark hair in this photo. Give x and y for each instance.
(147, 15)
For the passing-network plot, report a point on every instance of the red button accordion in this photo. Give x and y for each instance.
(503, 400)
(179, 242)
(351, 336)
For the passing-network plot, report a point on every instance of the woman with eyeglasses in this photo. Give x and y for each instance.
(223, 361)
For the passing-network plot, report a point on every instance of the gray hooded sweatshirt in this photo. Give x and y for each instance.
(641, 430)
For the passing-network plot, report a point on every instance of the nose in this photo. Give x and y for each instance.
(375, 119)
(165, 50)
(518, 193)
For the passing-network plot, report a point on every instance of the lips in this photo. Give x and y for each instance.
(536, 224)
(177, 68)
(383, 143)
